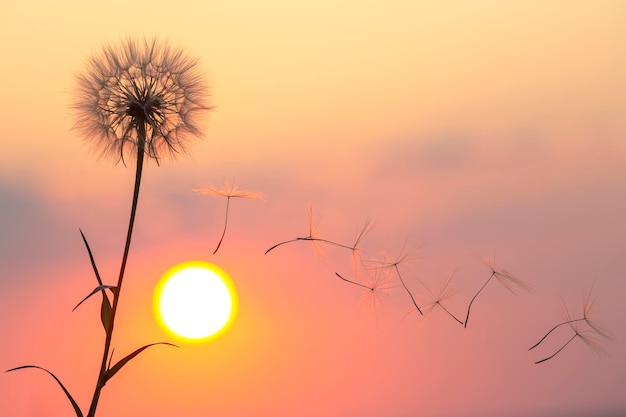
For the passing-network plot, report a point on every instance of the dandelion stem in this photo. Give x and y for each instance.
(553, 329)
(560, 349)
(472, 301)
(225, 224)
(353, 282)
(311, 239)
(141, 133)
(315, 239)
(450, 314)
(407, 289)
(281, 243)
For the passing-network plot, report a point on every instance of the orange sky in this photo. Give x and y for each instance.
(463, 126)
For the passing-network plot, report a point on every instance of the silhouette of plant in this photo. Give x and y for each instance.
(315, 238)
(508, 280)
(443, 293)
(228, 190)
(138, 99)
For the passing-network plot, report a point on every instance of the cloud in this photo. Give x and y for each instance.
(31, 232)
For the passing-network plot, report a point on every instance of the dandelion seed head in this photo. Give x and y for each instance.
(404, 256)
(590, 317)
(444, 292)
(229, 189)
(379, 283)
(506, 278)
(587, 337)
(356, 248)
(140, 95)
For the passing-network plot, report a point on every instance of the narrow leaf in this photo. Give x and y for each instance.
(106, 312)
(98, 288)
(112, 371)
(69, 396)
(93, 262)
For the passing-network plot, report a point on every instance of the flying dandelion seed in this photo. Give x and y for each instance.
(368, 225)
(508, 280)
(314, 236)
(393, 262)
(587, 317)
(376, 284)
(438, 297)
(228, 190)
(587, 336)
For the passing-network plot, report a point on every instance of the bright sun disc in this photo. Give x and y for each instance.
(195, 301)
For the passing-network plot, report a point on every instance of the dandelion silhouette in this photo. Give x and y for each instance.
(390, 262)
(586, 335)
(315, 239)
(139, 99)
(587, 318)
(437, 298)
(507, 279)
(228, 190)
(143, 97)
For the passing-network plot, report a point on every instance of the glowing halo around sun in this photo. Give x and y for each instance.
(195, 301)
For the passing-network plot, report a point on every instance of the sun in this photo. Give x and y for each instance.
(195, 301)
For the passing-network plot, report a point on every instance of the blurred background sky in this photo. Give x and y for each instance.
(459, 126)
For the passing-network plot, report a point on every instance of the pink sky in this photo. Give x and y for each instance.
(459, 126)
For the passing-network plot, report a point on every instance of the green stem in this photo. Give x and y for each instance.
(141, 131)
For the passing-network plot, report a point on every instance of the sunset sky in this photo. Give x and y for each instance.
(459, 127)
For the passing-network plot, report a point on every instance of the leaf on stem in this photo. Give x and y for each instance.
(113, 370)
(91, 258)
(106, 311)
(67, 393)
(95, 290)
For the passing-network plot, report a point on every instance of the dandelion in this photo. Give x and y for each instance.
(315, 238)
(507, 279)
(368, 225)
(377, 283)
(390, 262)
(140, 97)
(437, 298)
(585, 335)
(229, 191)
(587, 317)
